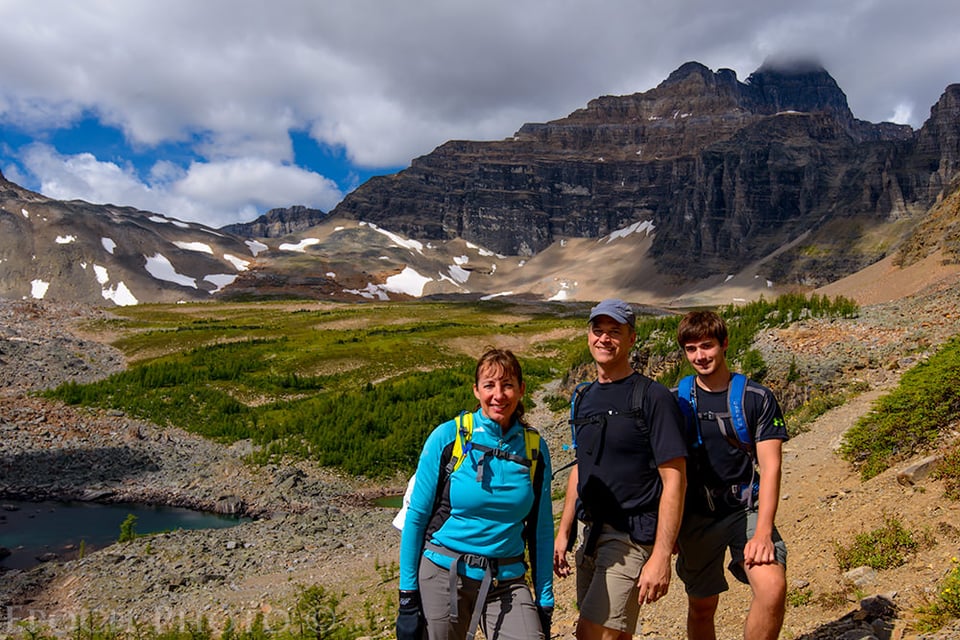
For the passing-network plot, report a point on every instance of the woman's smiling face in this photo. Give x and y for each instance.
(499, 393)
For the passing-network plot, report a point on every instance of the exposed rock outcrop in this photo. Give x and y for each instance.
(278, 223)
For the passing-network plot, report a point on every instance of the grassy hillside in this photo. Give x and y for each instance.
(352, 386)
(359, 386)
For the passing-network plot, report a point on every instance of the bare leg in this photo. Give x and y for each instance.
(769, 585)
(587, 630)
(700, 615)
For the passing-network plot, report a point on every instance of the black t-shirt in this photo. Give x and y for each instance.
(619, 483)
(729, 464)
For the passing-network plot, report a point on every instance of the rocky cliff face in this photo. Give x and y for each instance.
(726, 171)
(278, 223)
(938, 145)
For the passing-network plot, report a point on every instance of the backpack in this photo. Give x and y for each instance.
(741, 437)
(463, 444)
(637, 396)
(453, 456)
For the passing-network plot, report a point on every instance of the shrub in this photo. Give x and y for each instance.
(948, 470)
(556, 402)
(883, 548)
(753, 366)
(945, 606)
(128, 529)
(317, 616)
(798, 597)
(910, 418)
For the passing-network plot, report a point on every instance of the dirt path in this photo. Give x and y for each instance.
(823, 503)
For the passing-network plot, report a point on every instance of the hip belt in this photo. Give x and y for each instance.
(490, 568)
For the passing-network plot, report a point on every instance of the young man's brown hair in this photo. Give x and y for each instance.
(698, 325)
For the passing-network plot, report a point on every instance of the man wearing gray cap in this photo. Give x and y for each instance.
(627, 486)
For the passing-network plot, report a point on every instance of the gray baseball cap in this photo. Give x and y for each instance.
(616, 309)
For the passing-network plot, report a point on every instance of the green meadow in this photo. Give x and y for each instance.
(354, 386)
(359, 386)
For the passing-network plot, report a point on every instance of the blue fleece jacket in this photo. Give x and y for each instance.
(485, 518)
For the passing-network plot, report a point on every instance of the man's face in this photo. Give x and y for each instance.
(610, 342)
(705, 355)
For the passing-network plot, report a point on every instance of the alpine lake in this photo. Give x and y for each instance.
(35, 532)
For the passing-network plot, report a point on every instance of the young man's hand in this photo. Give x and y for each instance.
(759, 550)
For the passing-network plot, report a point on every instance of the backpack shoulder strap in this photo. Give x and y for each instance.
(687, 399)
(575, 397)
(531, 441)
(637, 399)
(735, 399)
(462, 442)
(530, 522)
(638, 395)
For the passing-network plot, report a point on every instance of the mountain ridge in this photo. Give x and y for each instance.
(724, 171)
(658, 196)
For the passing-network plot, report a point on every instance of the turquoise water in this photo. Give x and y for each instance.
(31, 529)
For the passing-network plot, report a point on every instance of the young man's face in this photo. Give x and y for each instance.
(705, 355)
(610, 342)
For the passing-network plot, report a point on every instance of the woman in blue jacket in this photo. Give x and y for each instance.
(462, 546)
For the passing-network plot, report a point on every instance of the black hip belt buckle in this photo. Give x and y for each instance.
(476, 561)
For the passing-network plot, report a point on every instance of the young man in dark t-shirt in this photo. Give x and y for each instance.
(627, 486)
(733, 486)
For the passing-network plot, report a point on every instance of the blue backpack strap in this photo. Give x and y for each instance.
(687, 399)
(735, 398)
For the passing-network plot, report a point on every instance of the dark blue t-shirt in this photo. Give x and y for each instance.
(722, 464)
(619, 483)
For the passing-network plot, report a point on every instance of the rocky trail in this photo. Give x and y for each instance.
(311, 526)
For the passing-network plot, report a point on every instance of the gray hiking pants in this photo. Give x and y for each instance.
(509, 614)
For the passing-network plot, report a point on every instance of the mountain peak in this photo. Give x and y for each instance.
(796, 85)
(685, 70)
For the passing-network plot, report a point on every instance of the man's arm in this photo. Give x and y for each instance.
(565, 528)
(655, 575)
(759, 549)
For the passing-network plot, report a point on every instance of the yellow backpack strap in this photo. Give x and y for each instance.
(531, 439)
(461, 442)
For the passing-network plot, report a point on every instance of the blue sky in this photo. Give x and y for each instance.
(215, 111)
